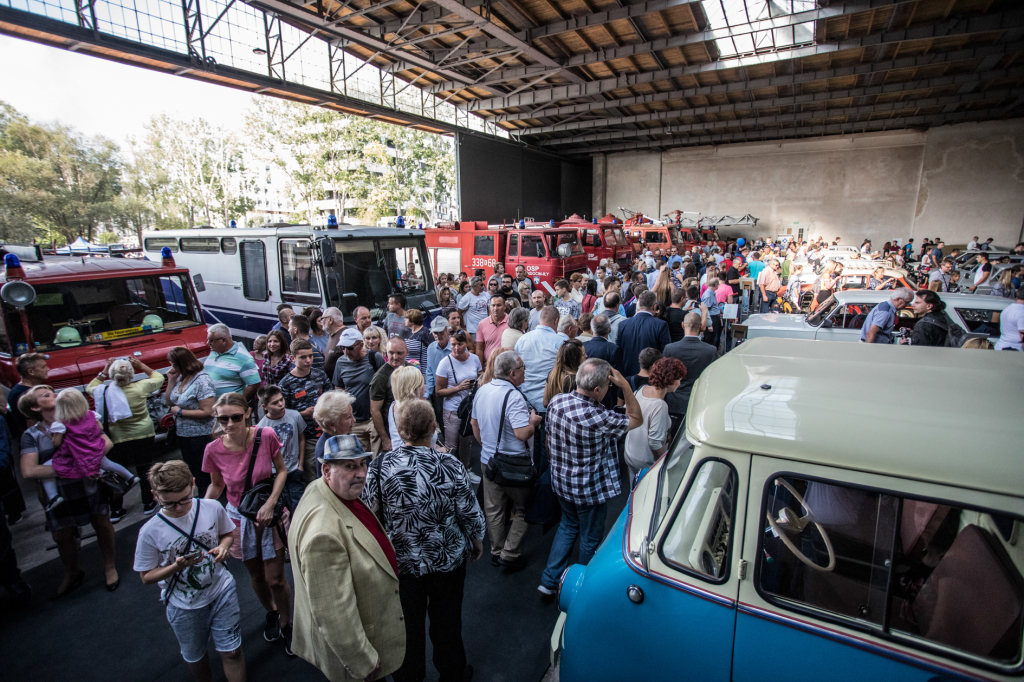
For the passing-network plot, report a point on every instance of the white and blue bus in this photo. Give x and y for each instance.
(242, 274)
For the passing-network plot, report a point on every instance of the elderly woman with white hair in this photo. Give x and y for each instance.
(333, 412)
(121, 403)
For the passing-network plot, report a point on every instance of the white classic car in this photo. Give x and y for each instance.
(842, 315)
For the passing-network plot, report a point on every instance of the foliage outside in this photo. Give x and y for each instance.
(57, 185)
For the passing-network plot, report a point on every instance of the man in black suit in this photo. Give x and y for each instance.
(600, 347)
(696, 355)
(643, 330)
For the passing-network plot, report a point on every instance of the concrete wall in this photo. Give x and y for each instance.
(951, 182)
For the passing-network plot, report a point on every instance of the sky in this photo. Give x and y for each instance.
(100, 97)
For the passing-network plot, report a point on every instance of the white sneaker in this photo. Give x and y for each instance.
(54, 503)
(546, 591)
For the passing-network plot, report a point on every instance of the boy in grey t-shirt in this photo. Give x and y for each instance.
(289, 427)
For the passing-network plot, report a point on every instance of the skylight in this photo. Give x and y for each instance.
(735, 15)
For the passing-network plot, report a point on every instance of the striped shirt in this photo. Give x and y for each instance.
(232, 371)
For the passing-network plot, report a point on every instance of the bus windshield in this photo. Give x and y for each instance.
(71, 314)
(365, 274)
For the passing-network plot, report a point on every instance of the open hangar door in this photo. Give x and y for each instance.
(502, 181)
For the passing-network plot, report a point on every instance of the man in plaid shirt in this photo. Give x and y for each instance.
(581, 436)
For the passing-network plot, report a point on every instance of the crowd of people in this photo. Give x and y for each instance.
(348, 449)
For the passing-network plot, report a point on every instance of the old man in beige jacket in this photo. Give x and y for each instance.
(348, 618)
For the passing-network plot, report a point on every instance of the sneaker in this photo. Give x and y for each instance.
(54, 503)
(495, 560)
(272, 631)
(286, 634)
(131, 483)
(547, 591)
(116, 516)
(150, 508)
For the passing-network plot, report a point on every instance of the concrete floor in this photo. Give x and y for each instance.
(95, 635)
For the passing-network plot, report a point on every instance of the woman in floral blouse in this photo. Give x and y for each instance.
(435, 524)
(276, 360)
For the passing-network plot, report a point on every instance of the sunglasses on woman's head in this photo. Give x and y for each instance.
(233, 418)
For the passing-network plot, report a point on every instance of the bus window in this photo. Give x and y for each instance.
(297, 276)
(157, 243)
(533, 246)
(200, 245)
(254, 271)
(228, 245)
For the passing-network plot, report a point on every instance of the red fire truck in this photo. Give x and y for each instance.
(549, 253)
(79, 311)
(601, 242)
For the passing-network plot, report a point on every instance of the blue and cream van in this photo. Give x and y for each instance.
(813, 526)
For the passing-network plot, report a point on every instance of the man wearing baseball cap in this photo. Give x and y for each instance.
(436, 352)
(353, 372)
(346, 574)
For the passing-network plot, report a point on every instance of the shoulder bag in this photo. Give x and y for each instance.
(255, 496)
(382, 507)
(191, 535)
(509, 471)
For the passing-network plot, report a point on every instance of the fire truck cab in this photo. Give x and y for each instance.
(549, 253)
(601, 242)
(80, 311)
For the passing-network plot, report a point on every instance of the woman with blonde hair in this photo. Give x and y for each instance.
(373, 340)
(663, 287)
(122, 404)
(524, 292)
(406, 384)
(977, 344)
(488, 374)
(1004, 285)
(260, 543)
(563, 377)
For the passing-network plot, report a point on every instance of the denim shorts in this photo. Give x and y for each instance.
(195, 627)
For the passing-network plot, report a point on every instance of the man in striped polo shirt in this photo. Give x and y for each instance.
(229, 364)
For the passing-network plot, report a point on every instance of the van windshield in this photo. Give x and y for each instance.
(558, 238)
(71, 314)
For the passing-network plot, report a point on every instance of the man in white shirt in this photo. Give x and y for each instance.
(973, 244)
(515, 424)
(474, 304)
(1011, 324)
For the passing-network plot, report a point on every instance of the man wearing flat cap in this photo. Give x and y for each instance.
(348, 619)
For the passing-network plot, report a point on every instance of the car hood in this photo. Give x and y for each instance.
(776, 321)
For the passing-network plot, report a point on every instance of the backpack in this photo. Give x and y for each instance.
(956, 337)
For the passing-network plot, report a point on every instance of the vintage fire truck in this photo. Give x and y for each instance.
(80, 311)
(548, 252)
(601, 242)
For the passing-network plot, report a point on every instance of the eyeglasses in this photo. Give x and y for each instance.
(520, 367)
(233, 418)
(183, 502)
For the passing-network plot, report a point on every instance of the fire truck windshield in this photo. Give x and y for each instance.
(615, 237)
(569, 237)
(102, 310)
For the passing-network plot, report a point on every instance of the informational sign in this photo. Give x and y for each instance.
(120, 333)
(731, 311)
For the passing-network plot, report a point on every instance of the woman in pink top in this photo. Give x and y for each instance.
(258, 545)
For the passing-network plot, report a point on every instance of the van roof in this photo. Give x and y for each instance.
(75, 268)
(956, 300)
(958, 422)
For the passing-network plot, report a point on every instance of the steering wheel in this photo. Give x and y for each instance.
(800, 523)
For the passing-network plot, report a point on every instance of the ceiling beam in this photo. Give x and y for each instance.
(648, 47)
(784, 119)
(1010, 23)
(789, 134)
(792, 100)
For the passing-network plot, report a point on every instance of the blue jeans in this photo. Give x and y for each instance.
(583, 521)
(294, 486)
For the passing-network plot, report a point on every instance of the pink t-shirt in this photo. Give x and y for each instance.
(723, 292)
(233, 466)
(489, 334)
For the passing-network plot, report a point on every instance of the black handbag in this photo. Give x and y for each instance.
(255, 496)
(509, 471)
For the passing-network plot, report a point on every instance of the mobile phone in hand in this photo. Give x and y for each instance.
(192, 556)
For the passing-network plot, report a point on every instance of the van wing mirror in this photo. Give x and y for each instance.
(326, 246)
(564, 250)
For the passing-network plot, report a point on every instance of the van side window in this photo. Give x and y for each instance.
(925, 573)
(699, 537)
(513, 245)
(253, 258)
(157, 243)
(297, 276)
(483, 246)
